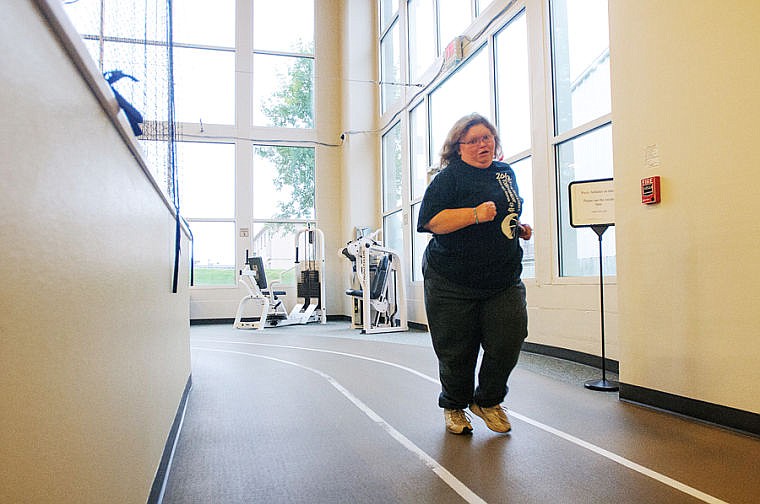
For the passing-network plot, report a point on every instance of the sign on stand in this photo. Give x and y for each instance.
(592, 204)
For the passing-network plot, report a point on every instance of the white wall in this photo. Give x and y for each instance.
(684, 79)
(94, 352)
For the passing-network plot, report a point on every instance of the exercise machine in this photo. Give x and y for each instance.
(377, 293)
(310, 287)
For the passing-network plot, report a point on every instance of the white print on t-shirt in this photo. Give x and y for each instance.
(508, 225)
(514, 205)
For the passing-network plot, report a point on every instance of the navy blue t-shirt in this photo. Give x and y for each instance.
(485, 255)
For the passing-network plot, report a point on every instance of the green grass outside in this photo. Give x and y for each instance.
(226, 276)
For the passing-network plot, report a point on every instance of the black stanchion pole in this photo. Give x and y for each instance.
(603, 384)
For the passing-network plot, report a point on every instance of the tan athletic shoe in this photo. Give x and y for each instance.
(457, 421)
(495, 417)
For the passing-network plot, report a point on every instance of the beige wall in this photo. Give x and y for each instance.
(94, 352)
(328, 100)
(684, 79)
(360, 168)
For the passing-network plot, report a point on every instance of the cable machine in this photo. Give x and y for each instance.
(377, 293)
(310, 287)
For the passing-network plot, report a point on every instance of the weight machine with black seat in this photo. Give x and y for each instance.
(310, 288)
(378, 296)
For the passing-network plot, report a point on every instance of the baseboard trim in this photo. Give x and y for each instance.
(722, 416)
(572, 355)
(330, 318)
(417, 326)
(211, 321)
(162, 474)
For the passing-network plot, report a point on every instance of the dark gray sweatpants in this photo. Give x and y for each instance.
(461, 321)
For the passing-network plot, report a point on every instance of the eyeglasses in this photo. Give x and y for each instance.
(475, 141)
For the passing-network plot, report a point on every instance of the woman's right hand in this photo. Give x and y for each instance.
(486, 211)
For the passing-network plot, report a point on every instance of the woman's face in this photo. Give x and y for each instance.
(477, 146)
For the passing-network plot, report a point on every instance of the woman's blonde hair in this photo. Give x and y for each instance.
(450, 149)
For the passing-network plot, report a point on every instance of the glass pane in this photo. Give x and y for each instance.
(418, 146)
(388, 10)
(283, 182)
(135, 20)
(204, 86)
(483, 5)
(275, 243)
(524, 174)
(85, 16)
(283, 91)
(422, 50)
(454, 18)
(419, 242)
(581, 58)
(148, 64)
(393, 233)
(447, 104)
(206, 179)
(513, 87)
(390, 63)
(392, 168)
(284, 26)
(213, 253)
(203, 22)
(586, 157)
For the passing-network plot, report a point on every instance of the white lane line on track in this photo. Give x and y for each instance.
(682, 487)
(334, 352)
(448, 478)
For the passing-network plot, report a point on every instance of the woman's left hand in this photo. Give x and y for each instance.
(525, 231)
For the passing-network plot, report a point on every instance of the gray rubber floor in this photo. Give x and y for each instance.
(325, 414)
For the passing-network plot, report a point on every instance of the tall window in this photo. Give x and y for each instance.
(390, 64)
(392, 196)
(207, 192)
(419, 162)
(204, 94)
(283, 63)
(513, 86)
(524, 174)
(513, 113)
(582, 135)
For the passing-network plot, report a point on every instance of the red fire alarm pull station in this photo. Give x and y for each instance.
(650, 190)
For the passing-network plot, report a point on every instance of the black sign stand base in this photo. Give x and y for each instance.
(604, 384)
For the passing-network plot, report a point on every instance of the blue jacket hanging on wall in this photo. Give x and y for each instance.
(133, 115)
